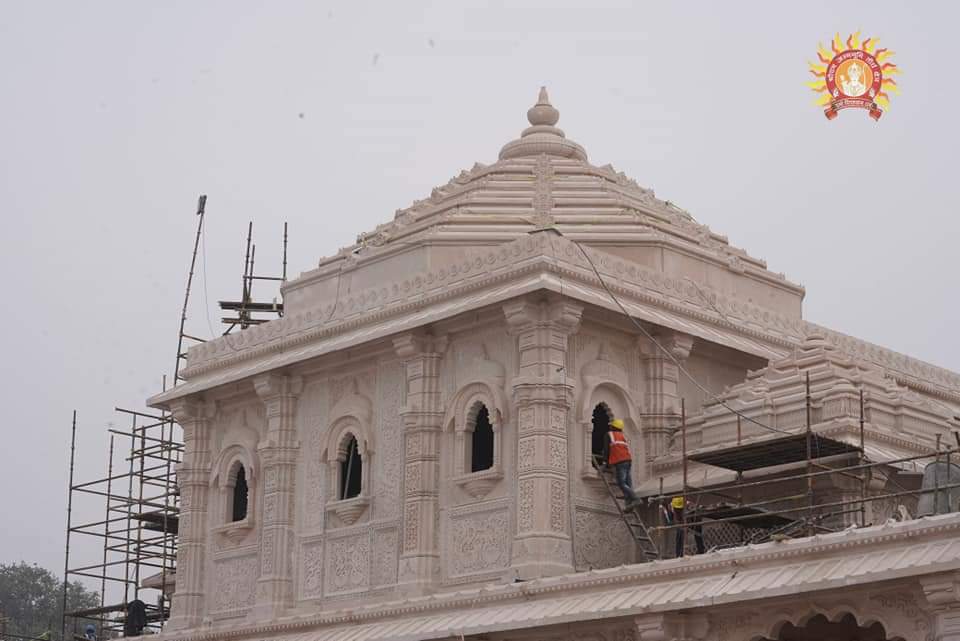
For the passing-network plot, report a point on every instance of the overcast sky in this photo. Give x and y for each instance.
(331, 115)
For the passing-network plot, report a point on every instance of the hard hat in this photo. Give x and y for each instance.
(677, 502)
(616, 424)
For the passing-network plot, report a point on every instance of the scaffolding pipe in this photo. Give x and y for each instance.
(66, 560)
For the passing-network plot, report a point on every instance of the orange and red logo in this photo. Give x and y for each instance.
(854, 75)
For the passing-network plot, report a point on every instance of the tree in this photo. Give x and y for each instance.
(32, 598)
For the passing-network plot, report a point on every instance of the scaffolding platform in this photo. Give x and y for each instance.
(783, 450)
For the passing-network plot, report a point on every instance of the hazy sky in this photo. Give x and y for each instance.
(331, 115)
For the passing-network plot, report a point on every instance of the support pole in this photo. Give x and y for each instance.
(201, 206)
(106, 519)
(863, 474)
(810, 528)
(936, 480)
(683, 443)
(66, 560)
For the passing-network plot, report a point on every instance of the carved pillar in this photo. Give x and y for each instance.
(663, 388)
(193, 477)
(942, 592)
(422, 416)
(543, 393)
(689, 626)
(278, 455)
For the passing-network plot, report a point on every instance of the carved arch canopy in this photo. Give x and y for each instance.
(460, 420)
(897, 612)
(223, 479)
(351, 417)
(620, 403)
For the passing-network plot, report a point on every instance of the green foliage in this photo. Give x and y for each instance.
(32, 598)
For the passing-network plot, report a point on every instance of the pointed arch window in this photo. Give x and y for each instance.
(351, 471)
(481, 441)
(240, 495)
(600, 429)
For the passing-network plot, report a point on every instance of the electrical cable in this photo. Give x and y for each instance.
(663, 349)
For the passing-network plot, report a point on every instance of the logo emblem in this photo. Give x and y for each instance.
(854, 75)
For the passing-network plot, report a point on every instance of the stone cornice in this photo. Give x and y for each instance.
(711, 566)
(546, 253)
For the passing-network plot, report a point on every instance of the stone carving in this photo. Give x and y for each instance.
(389, 439)
(558, 420)
(732, 626)
(411, 478)
(270, 508)
(525, 455)
(270, 480)
(385, 557)
(480, 542)
(414, 446)
(543, 193)
(411, 533)
(312, 418)
(526, 419)
(312, 571)
(526, 505)
(600, 540)
(905, 604)
(234, 582)
(348, 564)
(558, 454)
(267, 552)
(558, 505)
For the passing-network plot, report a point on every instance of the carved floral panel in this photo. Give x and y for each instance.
(348, 564)
(600, 540)
(311, 568)
(234, 582)
(479, 542)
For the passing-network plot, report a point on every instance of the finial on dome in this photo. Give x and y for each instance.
(542, 137)
(543, 113)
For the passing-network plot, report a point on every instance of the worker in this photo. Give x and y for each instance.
(674, 516)
(617, 455)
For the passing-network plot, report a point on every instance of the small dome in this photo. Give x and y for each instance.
(542, 137)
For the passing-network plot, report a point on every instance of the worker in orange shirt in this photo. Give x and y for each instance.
(618, 456)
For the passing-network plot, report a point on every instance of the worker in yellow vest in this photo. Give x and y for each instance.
(618, 457)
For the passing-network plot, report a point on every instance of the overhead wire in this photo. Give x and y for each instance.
(666, 352)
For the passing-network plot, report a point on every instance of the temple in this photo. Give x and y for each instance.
(410, 452)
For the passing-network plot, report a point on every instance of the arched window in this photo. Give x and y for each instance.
(601, 427)
(481, 441)
(351, 471)
(240, 496)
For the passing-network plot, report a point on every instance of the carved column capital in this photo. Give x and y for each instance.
(414, 344)
(525, 313)
(271, 385)
(188, 409)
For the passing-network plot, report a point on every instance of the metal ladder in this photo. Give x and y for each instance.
(638, 530)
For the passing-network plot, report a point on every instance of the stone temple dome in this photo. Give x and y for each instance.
(543, 179)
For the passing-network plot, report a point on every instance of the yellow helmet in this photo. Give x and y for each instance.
(616, 424)
(677, 502)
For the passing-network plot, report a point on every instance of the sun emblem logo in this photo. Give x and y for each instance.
(854, 75)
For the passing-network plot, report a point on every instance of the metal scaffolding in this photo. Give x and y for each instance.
(138, 529)
(784, 504)
(139, 525)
